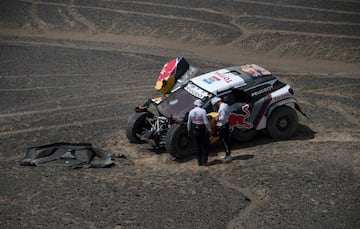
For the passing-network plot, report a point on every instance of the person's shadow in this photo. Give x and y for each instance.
(240, 157)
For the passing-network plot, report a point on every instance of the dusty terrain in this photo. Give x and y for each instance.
(73, 71)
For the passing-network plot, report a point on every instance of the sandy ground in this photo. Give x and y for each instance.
(73, 71)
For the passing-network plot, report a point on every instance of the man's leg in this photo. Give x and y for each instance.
(225, 139)
(206, 144)
(198, 150)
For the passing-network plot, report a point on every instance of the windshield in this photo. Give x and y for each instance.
(177, 104)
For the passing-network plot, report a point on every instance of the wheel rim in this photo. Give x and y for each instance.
(283, 123)
(183, 142)
(144, 131)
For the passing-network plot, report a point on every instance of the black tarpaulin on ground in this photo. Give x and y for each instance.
(69, 155)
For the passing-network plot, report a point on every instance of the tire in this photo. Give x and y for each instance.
(243, 136)
(178, 143)
(136, 125)
(282, 123)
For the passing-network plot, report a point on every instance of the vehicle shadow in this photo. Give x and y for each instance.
(303, 133)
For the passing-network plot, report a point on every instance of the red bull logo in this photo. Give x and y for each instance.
(255, 70)
(168, 69)
(239, 120)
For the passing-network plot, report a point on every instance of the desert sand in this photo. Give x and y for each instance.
(73, 71)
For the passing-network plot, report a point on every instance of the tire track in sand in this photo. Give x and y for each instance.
(39, 23)
(59, 126)
(244, 215)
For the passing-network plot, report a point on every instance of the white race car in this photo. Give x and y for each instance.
(257, 100)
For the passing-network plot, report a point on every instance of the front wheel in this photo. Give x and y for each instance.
(178, 143)
(282, 123)
(137, 125)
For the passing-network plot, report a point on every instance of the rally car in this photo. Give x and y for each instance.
(257, 99)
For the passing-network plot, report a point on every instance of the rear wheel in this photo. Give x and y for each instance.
(178, 143)
(137, 125)
(282, 123)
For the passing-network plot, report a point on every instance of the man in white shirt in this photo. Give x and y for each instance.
(199, 128)
(223, 125)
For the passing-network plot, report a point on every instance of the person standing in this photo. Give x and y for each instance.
(199, 128)
(223, 125)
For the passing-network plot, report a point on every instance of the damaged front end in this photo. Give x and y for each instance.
(156, 135)
(143, 125)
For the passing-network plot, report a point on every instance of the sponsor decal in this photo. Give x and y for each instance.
(261, 91)
(239, 120)
(255, 70)
(211, 79)
(196, 91)
(227, 79)
(217, 77)
(281, 97)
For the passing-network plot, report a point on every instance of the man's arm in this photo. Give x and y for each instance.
(206, 122)
(189, 124)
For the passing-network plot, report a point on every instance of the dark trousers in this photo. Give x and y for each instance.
(225, 138)
(202, 142)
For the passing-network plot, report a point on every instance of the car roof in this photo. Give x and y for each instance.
(230, 77)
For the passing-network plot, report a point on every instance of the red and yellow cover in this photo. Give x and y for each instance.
(169, 74)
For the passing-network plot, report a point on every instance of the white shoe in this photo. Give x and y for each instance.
(227, 159)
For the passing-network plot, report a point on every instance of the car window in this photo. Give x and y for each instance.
(229, 99)
(240, 96)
